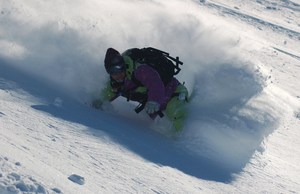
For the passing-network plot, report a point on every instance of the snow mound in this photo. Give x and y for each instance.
(76, 179)
(11, 181)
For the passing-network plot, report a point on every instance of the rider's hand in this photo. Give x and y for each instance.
(152, 107)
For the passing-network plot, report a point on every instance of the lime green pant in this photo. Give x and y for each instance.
(176, 109)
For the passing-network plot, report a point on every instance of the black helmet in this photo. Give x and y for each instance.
(114, 62)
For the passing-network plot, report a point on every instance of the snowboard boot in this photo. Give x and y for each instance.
(176, 108)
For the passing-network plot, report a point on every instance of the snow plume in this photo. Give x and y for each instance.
(66, 48)
(231, 112)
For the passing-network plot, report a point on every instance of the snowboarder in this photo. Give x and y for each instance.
(141, 82)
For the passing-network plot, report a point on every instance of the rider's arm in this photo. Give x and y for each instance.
(107, 94)
(150, 78)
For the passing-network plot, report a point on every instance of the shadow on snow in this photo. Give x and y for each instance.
(146, 143)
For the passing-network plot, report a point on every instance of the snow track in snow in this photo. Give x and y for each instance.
(253, 20)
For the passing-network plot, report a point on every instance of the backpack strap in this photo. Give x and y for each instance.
(130, 66)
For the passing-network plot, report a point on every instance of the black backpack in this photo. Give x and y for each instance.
(161, 61)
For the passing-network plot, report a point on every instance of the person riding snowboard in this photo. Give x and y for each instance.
(139, 81)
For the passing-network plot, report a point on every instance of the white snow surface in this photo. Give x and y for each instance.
(241, 66)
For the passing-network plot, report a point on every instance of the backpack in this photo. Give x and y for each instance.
(161, 61)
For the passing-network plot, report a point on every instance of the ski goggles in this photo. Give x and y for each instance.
(116, 69)
(117, 66)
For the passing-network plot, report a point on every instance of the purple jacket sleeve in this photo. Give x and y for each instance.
(150, 78)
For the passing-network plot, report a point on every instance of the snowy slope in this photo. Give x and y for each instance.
(242, 64)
